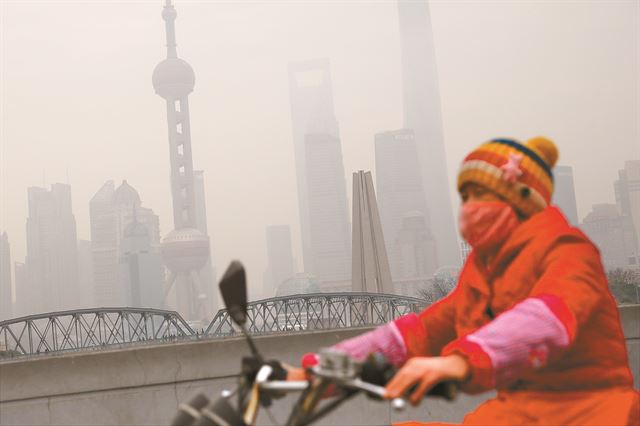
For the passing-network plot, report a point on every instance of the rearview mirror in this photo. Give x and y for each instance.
(233, 287)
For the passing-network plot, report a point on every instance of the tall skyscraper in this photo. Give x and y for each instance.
(330, 236)
(52, 263)
(141, 268)
(86, 288)
(369, 260)
(627, 190)
(416, 247)
(207, 273)
(111, 211)
(564, 193)
(6, 292)
(279, 258)
(23, 297)
(403, 206)
(318, 156)
(422, 114)
(613, 234)
(186, 248)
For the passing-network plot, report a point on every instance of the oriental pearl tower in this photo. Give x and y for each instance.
(185, 250)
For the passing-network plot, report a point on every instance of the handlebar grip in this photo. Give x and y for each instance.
(447, 390)
(377, 370)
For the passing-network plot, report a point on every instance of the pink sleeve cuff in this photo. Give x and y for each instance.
(562, 312)
(385, 339)
(521, 339)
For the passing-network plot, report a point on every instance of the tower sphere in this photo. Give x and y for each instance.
(185, 250)
(173, 78)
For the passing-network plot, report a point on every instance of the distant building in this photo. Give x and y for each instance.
(86, 289)
(370, 265)
(21, 279)
(422, 114)
(52, 263)
(627, 190)
(403, 206)
(329, 231)
(318, 156)
(6, 293)
(416, 247)
(613, 234)
(141, 268)
(300, 283)
(111, 211)
(564, 193)
(279, 258)
(207, 273)
(410, 287)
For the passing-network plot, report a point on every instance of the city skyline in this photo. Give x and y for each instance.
(609, 225)
(356, 137)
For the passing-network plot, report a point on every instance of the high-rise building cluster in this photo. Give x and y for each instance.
(417, 231)
(119, 266)
(615, 228)
(126, 261)
(400, 235)
(125, 249)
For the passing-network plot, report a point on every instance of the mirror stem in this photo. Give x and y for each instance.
(252, 346)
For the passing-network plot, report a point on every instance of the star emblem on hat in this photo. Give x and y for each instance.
(511, 169)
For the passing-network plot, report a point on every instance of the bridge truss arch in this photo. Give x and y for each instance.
(318, 311)
(85, 329)
(100, 328)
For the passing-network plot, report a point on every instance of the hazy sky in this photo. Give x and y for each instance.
(78, 104)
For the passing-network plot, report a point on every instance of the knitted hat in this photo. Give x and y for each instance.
(520, 173)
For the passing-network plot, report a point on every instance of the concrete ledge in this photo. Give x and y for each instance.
(148, 365)
(144, 384)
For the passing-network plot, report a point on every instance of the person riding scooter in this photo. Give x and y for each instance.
(531, 316)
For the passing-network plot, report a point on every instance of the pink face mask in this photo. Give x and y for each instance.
(486, 224)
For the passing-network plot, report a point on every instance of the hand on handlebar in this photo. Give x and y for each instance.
(295, 373)
(426, 372)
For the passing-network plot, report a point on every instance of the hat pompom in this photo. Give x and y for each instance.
(544, 148)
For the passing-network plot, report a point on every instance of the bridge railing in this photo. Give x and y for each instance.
(319, 311)
(88, 329)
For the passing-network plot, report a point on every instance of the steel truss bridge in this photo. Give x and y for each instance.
(100, 328)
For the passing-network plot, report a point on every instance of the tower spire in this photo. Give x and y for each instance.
(185, 250)
(169, 15)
